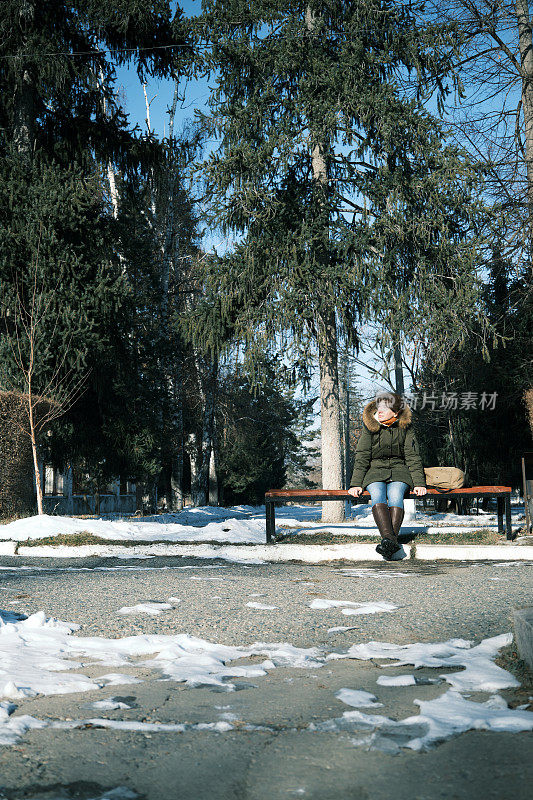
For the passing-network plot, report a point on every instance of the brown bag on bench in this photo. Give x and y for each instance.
(444, 479)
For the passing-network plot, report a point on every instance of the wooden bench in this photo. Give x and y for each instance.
(501, 493)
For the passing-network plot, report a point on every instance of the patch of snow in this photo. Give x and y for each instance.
(153, 608)
(238, 524)
(341, 629)
(479, 674)
(439, 719)
(36, 654)
(349, 608)
(118, 679)
(357, 698)
(142, 727)
(13, 728)
(120, 793)
(261, 607)
(368, 572)
(396, 680)
(109, 705)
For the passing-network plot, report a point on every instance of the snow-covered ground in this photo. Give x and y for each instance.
(39, 656)
(240, 524)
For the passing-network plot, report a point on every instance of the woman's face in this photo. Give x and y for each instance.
(384, 412)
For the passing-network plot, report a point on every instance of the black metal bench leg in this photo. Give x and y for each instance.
(508, 526)
(499, 506)
(270, 514)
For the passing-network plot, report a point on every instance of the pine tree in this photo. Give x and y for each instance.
(63, 135)
(335, 183)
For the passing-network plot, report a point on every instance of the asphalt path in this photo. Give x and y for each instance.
(270, 753)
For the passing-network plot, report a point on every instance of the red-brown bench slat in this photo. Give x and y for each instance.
(502, 494)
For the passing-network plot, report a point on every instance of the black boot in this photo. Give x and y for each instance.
(389, 543)
(387, 548)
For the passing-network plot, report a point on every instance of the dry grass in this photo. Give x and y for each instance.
(509, 659)
(478, 536)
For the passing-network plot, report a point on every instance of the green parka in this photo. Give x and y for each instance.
(387, 453)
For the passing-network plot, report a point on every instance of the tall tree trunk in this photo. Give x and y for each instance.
(213, 477)
(194, 451)
(525, 40)
(330, 434)
(24, 115)
(452, 441)
(207, 382)
(38, 485)
(176, 415)
(398, 368)
(24, 92)
(330, 412)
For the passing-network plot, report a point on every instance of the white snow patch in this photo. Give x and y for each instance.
(109, 705)
(142, 727)
(237, 525)
(13, 728)
(153, 608)
(439, 720)
(368, 572)
(120, 793)
(118, 679)
(357, 698)
(396, 680)
(349, 608)
(261, 607)
(341, 629)
(36, 654)
(480, 673)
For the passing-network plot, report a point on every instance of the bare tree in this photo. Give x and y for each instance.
(492, 114)
(31, 325)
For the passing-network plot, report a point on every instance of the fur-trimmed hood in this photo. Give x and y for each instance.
(369, 419)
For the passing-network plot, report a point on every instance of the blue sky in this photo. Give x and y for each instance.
(160, 92)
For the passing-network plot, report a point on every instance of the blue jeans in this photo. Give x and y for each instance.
(391, 493)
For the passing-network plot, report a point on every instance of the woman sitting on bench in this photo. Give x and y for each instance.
(387, 463)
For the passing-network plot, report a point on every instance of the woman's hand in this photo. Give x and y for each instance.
(355, 491)
(420, 490)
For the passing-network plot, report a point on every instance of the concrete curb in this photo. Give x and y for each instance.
(311, 554)
(474, 552)
(523, 631)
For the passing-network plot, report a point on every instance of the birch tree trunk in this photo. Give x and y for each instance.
(24, 115)
(176, 477)
(194, 451)
(207, 383)
(38, 485)
(24, 92)
(213, 477)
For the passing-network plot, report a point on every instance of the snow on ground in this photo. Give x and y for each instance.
(261, 607)
(109, 705)
(350, 608)
(152, 607)
(37, 653)
(438, 720)
(480, 672)
(237, 525)
(368, 572)
(357, 698)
